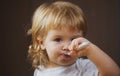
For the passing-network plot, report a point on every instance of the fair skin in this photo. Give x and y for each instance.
(57, 42)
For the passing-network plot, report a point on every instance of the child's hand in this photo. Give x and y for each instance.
(79, 51)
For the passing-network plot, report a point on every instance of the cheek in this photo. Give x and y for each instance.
(50, 48)
(52, 53)
(53, 49)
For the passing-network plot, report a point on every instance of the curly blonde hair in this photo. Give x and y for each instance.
(51, 16)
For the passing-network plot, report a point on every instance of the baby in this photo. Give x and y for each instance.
(59, 43)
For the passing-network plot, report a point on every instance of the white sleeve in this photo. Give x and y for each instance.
(35, 72)
(87, 67)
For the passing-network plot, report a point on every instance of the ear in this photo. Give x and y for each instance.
(41, 43)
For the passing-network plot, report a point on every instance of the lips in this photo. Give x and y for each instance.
(65, 56)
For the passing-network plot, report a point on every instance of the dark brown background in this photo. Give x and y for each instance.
(103, 22)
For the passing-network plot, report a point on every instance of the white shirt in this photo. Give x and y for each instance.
(82, 67)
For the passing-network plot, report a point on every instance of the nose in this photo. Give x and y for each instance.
(66, 46)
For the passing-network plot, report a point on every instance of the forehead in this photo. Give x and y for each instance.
(64, 32)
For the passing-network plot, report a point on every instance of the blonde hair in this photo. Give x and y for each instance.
(56, 15)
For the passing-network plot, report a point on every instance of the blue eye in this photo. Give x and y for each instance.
(58, 39)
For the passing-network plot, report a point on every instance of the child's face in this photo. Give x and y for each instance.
(57, 43)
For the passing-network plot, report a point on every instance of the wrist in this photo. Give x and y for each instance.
(91, 50)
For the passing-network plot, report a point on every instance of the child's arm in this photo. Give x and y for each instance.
(105, 65)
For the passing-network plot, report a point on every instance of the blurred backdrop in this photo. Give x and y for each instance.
(103, 29)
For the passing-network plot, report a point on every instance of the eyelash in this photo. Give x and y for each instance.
(58, 39)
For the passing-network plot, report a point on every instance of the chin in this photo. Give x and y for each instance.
(66, 63)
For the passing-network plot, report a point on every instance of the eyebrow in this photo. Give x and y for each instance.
(57, 35)
(73, 35)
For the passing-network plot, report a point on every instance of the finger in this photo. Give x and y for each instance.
(81, 53)
(72, 53)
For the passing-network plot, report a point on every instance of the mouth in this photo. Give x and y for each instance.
(66, 54)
